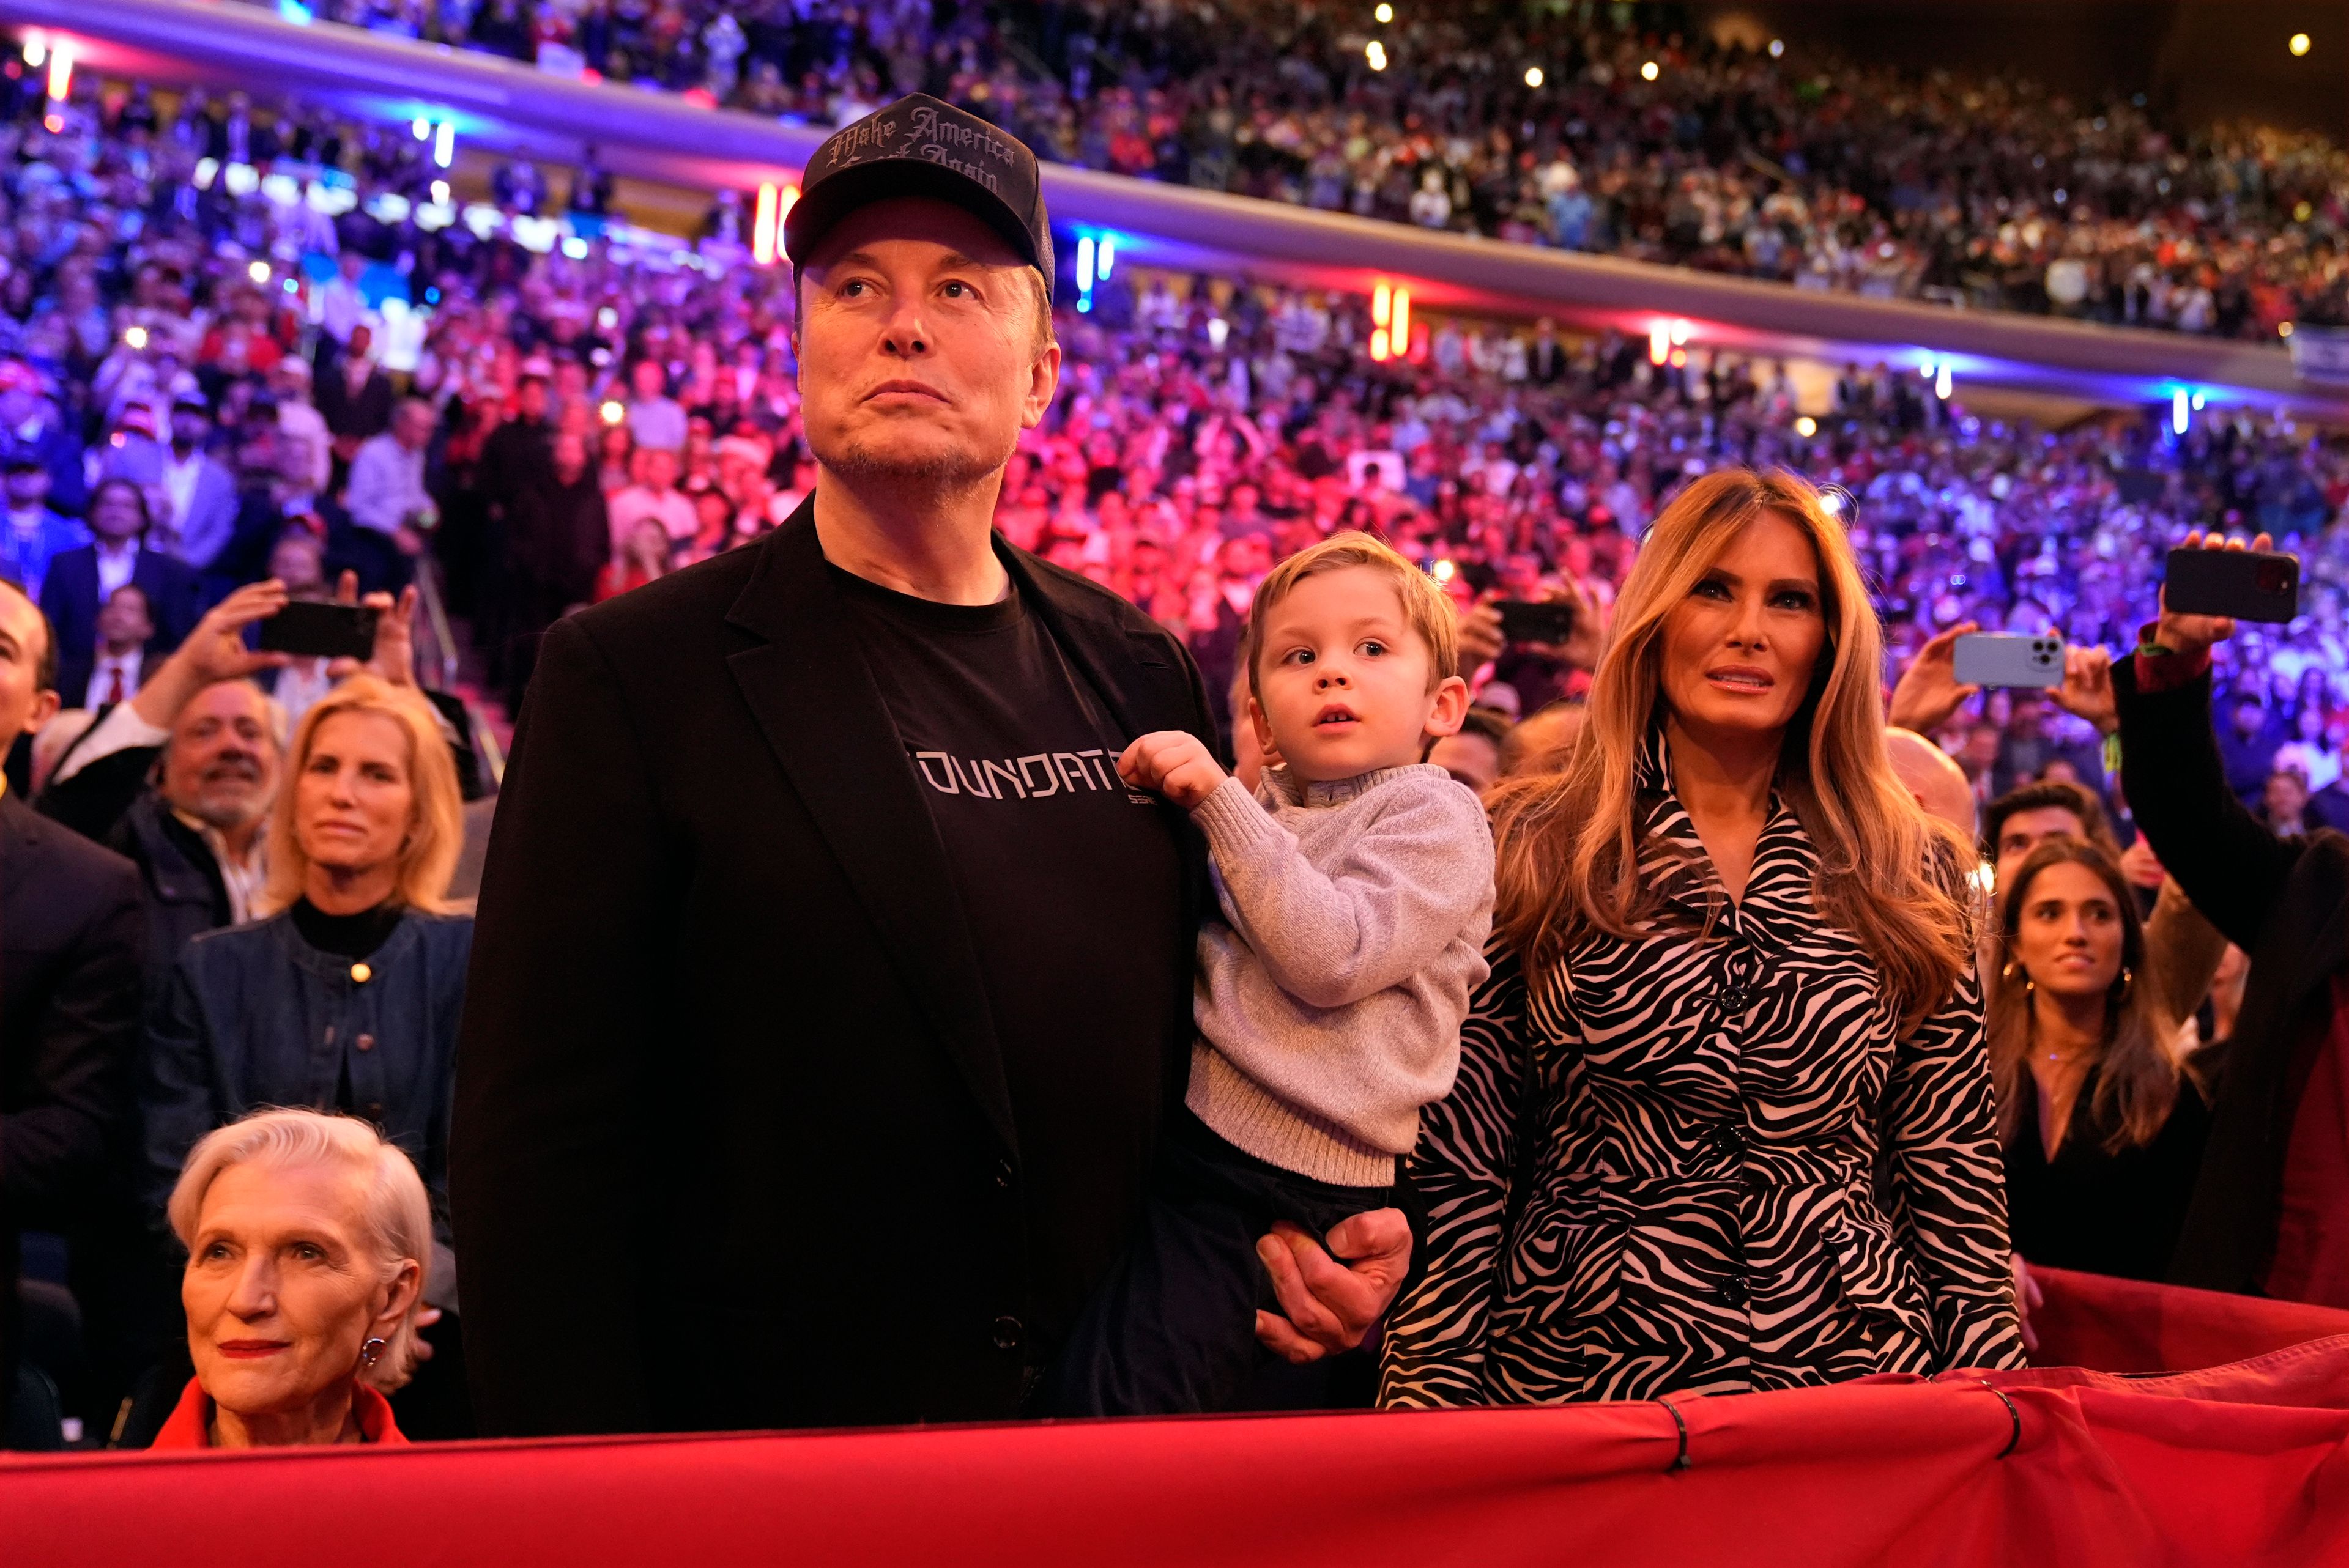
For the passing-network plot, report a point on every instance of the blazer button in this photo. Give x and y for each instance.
(1007, 1334)
(1733, 1294)
(364, 1042)
(361, 974)
(1003, 1173)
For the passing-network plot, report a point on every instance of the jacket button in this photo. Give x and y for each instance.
(1732, 1293)
(1003, 1173)
(361, 974)
(364, 1042)
(1007, 1334)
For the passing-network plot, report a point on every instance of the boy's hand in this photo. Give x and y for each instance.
(1176, 764)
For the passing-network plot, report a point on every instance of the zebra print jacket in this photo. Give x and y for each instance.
(1659, 1169)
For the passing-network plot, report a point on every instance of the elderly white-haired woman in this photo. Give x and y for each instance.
(309, 1240)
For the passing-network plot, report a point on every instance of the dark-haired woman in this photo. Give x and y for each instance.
(2103, 1127)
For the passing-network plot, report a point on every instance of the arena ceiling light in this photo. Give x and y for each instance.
(2299, 44)
(1533, 76)
(1376, 53)
(1777, 48)
(1651, 71)
(1385, 14)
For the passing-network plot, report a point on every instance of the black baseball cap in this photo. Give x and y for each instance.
(920, 146)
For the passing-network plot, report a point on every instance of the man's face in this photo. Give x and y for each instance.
(223, 763)
(27, 488)
(656, 468)
(2026, 830)
(190, 426)
(24, 642)
(917, 346)
(362, 339)
(123, 619)
(412, 426)
(2287, 795)
(296, 563)
(530, 400)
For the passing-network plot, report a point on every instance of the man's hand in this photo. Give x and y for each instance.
(214, 652)
(1927, 693)
(394, 657)
(1331, 1305)
(1176, 764)
(2190, 636)
(2088, 689)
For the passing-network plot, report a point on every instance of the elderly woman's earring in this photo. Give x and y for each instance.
(372, 1352)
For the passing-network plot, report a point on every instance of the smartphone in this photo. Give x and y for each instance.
(2250, 585)
(1535, 621)
(2009, 659)
(324, 631)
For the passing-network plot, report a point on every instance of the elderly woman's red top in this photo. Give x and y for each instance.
(192, 1420)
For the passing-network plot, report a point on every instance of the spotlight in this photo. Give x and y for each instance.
(1533, 76)
(1651, 71)
(2299, 44)
(1376, 53)
(258, 272)
(1777, 48)
(135, 336)
(1806, 426)
(1385, 14)
(613, 411)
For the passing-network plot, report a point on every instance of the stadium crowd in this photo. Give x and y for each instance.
(216, 398)
(1659, 145)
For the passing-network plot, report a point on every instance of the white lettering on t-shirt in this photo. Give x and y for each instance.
(1039, 776)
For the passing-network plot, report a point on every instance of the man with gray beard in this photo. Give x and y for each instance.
(181, 778)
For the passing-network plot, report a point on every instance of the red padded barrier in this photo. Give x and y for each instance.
(2247, 1463)
(2127, 1326)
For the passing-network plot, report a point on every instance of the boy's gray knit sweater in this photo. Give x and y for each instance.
(1331, 995)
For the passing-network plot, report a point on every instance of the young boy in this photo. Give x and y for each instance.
(1356, 890)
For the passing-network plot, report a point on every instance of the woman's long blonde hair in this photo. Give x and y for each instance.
(437, 835)
(2136, 1083)
(1568, 843)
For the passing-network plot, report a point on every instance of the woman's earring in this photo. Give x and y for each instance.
(372, 1352)
(2014, 964)
(2128, 979)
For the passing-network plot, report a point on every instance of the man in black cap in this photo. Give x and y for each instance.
(829, 987)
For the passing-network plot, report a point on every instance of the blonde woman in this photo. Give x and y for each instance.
(309, 1244)
(346, 998)
(1723, 1118)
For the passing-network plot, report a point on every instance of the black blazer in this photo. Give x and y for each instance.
(70, 945)
(732, 1144)
(69, 597)
(2285, 901)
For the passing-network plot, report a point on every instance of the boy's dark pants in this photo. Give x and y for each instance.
(1173, 1329)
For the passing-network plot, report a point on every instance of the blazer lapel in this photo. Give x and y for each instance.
(821, 715)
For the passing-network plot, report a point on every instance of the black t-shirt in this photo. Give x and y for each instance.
(1071, 887)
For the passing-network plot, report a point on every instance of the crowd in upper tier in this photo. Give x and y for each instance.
(1656, 144)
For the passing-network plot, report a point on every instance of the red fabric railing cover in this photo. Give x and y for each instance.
(2240, 1464)
(2127, 1326)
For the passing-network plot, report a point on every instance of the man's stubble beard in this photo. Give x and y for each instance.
(863, 463)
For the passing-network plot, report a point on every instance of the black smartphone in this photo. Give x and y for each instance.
(321, 631)
(2250, 585)
(1534, 620)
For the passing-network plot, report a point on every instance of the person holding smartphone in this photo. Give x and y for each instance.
(2270, 1213)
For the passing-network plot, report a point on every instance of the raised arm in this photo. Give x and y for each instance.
(1942, 1121)
(1462, 1170)
(557, 1061)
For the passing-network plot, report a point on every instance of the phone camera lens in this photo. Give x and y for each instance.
(2272, 577)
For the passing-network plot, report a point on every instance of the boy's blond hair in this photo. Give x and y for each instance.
(1426, 608)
